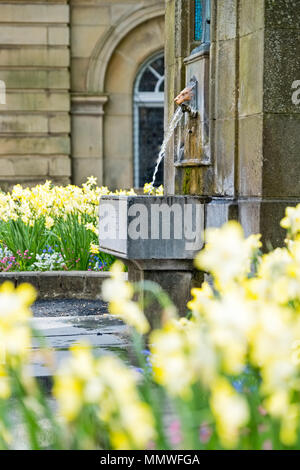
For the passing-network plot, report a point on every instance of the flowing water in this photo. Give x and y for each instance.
(172, 126)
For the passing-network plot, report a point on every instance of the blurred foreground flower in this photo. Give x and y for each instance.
(111, 387)
(119, 293)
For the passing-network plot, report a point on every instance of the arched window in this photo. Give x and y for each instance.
(148, 120)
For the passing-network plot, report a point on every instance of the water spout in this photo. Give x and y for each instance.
(185, 95)
(172, 126)
(188, 95)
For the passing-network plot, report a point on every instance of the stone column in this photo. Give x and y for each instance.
(87, 136)
(254, 170)
(255, 63)
(268, 156)
(175, 277)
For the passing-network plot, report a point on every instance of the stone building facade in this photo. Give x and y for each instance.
(69, 69)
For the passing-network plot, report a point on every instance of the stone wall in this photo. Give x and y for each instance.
(35, 121)
(110, 39)
(54, 58)
(135, 48)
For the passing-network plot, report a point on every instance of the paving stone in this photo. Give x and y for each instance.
(105, 334)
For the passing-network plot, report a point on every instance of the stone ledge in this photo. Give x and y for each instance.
(61, 284)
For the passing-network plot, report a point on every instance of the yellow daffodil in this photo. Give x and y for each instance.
(230, 410)
(94, 249)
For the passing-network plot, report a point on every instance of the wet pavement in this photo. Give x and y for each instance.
(59, 324)
(68, 307)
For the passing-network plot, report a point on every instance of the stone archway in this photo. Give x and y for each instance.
(109, 81)
(107, 45)
(129, 55)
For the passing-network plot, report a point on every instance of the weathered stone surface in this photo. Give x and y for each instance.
(34, 60)
(250, 155)
(119, 104)
(150, 33)
(34, 56)
(224, 148)
(85, 167)
(34, 13)
(75, 283)
(219, 211)
(27, 166)
(79, 67)
(60, 166)
(118, 171)
(25, 35)
(282, 14)
(176, 283)
(84, 127)
(257, 215)
(61, 284)
(254, 60)
(50, 284)
(281, 69)
(161, 223)
(59, 123)
(8, 182)
(251, 16)
(35, 79)
(35, 166)
(21, 278)
(115, 147)
(91, 15)
(119, 10)
(225, 80)
(251, 74)
(36, 101)
(84, 39)
(121, 73)
(34, 145)
(281, 169)
(93, 286)
(23, 123)
(226, 19)
(58, 35)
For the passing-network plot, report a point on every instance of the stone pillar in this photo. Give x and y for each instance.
(87, 122)
(175, 277)
(268, 155)
(254, 168)
(177, 48)
(255, 62)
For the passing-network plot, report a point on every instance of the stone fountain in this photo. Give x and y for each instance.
(159, 236)
(235, 151)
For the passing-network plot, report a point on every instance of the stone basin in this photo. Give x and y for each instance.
(156, 236)
(151, 227)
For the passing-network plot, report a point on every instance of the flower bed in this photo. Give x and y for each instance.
(52, 228)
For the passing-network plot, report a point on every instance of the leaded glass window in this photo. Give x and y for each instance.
(202, 21)
(148, 120)
(198, 20)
